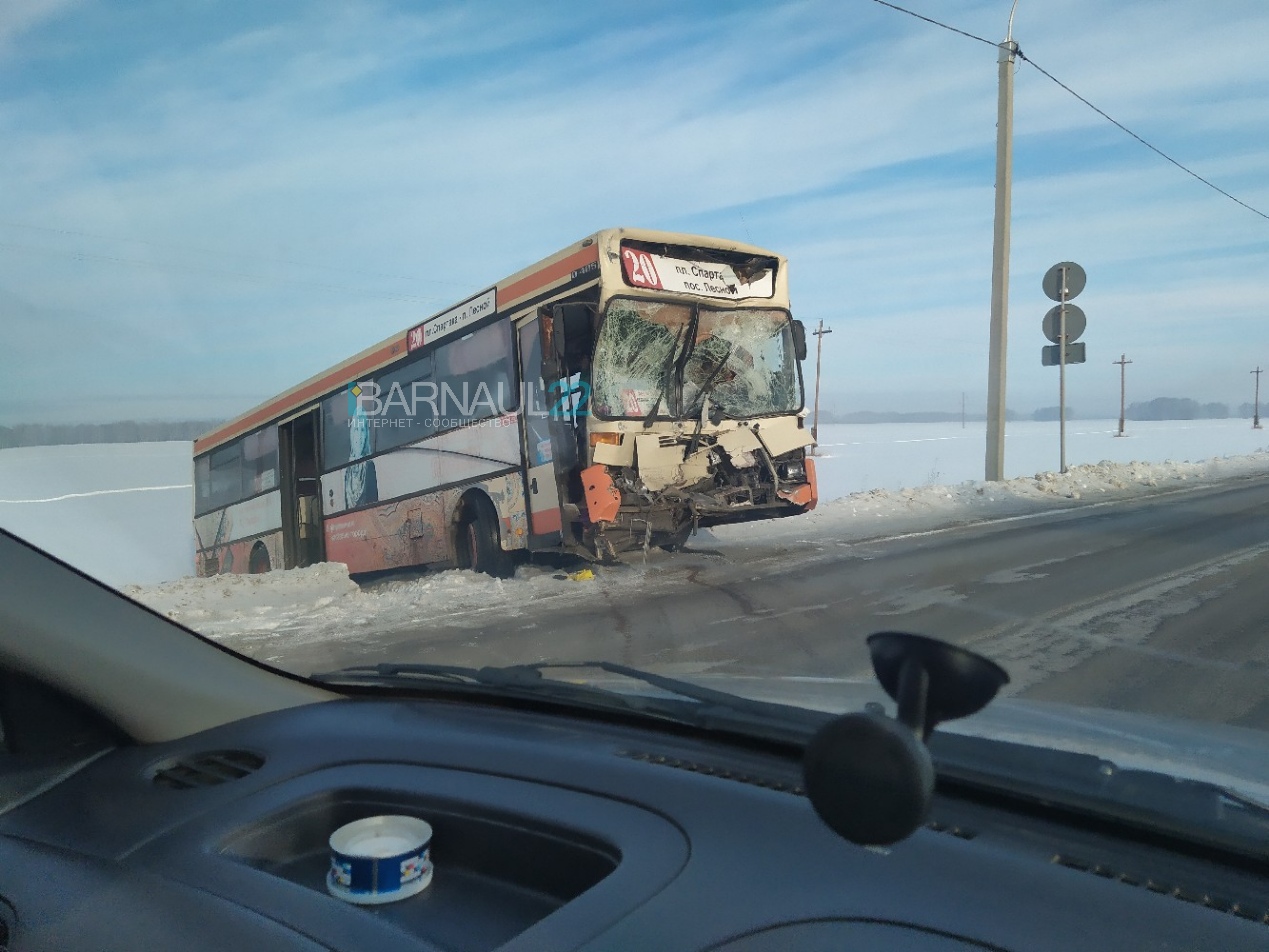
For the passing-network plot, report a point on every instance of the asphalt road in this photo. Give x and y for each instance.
(1158, 605)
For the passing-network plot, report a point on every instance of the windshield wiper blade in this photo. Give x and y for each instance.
(671, 368)
(667, 376)
(711, 708)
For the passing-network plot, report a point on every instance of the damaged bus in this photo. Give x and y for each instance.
(612, 397)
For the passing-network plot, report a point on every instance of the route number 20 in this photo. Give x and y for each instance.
(640, 271)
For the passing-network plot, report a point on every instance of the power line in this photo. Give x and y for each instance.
(1100, 112)
(945, 26)
(1104, 115)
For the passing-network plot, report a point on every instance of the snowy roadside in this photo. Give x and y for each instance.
(266, 615)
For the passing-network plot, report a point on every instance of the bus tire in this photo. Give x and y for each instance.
(480, 540)
(258, 561)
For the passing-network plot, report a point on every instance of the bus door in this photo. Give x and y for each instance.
(301, 490)
(542, 494)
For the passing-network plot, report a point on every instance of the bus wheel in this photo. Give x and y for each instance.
(480, 541)
(258, 561)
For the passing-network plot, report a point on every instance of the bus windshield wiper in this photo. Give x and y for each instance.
(667, 376)
(688, 703)
(705, 390)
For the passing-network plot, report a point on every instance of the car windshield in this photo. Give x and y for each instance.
(698, 342)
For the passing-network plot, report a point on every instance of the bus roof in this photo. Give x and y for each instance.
(512, 292)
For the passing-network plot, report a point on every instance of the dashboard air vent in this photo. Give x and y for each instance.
(205, 770)
(1252, 911)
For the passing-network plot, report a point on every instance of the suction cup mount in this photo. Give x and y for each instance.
(870, 777)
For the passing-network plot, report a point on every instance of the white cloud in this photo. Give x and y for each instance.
(421, 157)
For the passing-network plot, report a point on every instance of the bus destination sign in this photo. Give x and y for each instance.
(455, 319)
(645, 269)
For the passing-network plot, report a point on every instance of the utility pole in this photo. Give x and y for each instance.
(1123, 362)
(995, 463)
(962, 409)
(819, 348)
(1255, 420)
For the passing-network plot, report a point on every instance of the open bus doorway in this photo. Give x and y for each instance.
(302, 537)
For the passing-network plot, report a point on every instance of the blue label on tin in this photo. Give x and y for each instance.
(360, 874)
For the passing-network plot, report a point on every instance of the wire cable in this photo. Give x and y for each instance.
(945, 26)
(1120, 125)
(1022, 56)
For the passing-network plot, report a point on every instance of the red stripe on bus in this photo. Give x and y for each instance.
(330, 381)
(548, 520)
(295, 400)
(539, 279)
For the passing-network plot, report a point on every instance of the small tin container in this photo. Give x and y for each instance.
(380, 859)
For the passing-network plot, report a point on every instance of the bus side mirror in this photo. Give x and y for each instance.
(799, 340)
(572, 330)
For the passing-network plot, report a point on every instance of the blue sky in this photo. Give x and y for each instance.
(205, 202)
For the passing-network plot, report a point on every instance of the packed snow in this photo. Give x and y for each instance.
(122, 513)
(267, 614)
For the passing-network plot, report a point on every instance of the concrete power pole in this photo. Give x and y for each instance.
(995, 468)
(1123, 362)
(1255, 420)
(819, 348)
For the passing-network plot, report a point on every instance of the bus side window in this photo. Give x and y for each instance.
(410, 409)
(225, 475)
(337, 432)
(202, 483)
(260, 461)
(474, 375)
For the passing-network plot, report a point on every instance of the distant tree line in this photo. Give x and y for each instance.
(1046, 414)
(1179, 408)
(123, 431)
(1161, 408)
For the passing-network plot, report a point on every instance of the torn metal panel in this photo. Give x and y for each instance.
(739, 441)
(695, 469)
(603, 499)
(622, 454)
(660, 465)
(783, 435)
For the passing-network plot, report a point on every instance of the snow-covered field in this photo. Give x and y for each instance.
(860, 457)
(122, 513)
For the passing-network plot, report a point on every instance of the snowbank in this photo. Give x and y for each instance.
(268, 615)
(122, 512)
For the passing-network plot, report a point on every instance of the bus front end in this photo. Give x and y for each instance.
(696, 397)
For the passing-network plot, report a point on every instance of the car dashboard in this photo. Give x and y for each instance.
(554, 832)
